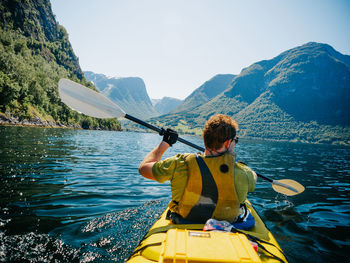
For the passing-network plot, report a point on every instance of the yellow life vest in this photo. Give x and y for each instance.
(210, 190)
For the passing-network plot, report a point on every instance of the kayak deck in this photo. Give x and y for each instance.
(167, 242)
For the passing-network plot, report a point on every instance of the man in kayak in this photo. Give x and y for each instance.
(212, 185)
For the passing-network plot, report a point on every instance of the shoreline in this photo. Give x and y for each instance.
(3, 124)
(37, 122)
(34, 122)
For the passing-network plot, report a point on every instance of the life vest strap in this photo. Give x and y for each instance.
(203, 210)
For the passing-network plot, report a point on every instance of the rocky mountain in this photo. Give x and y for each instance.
(35, 53)
(206, 92)
(311, 83)
(128, 93)
(300, 95)
(166, 104)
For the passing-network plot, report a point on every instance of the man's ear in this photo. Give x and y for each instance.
(227, 143)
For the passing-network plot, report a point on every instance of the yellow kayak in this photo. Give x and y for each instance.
(166, 242)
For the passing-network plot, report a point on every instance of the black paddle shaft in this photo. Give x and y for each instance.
(129, 117)
(264, 177)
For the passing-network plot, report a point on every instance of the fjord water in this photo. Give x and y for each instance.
(76, 195)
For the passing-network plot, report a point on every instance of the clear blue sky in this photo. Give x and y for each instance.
(175, 46)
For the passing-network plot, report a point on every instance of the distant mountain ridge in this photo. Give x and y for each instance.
(128, 93)
(300, 95)
(206, 92)
(166, 104)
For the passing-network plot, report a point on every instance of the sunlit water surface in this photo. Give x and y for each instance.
(76, 196)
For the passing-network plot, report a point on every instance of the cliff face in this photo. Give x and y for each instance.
(35, 20)
(35, 53)
(128, 93)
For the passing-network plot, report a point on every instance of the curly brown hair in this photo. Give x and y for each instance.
(217, 130)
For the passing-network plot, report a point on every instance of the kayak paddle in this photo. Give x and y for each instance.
(285, 186)
(94, 104)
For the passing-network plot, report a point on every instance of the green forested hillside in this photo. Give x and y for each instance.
(300, 95)
(310, 82)
(35, 53)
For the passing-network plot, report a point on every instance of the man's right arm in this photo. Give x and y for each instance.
(154, 156)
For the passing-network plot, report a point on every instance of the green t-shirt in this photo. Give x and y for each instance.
(174, 169)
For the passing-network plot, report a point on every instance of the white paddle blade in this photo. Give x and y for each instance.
(87, 101)
(287, 187)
